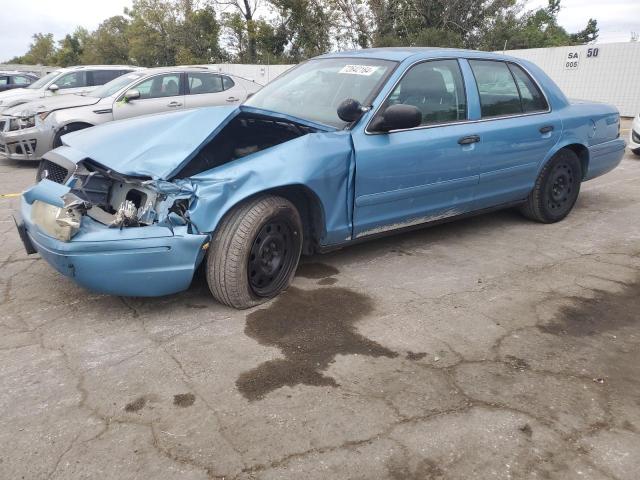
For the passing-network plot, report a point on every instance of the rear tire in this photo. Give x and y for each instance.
(636, 152)
(556, 189)
(254, 252)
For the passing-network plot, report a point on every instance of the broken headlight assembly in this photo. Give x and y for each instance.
(59, 222)
(18, 123)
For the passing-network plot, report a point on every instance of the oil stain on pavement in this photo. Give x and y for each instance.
(310, 327)
(316, 270)
(603, 312)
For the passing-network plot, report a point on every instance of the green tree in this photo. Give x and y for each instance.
(108, 44)
(71, 47)
(41, 51)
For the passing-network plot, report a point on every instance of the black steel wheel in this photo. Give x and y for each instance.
(272, 255)
(255, 251)
(556, 189)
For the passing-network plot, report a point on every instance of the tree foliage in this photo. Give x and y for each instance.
(177, 32)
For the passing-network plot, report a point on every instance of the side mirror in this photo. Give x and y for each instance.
(53, 87)
(397, 117)
(350, 110)
(131, 95)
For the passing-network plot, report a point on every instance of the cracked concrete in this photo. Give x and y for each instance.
(491, 347)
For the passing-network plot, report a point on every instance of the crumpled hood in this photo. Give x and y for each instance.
(155, 146)
(9, 97)
(50, 104)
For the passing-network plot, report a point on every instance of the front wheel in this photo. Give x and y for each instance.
(556, 189)
(254, 252)
(636, 152)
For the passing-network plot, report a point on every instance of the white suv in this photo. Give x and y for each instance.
(634, 136)
(30, 130)
(65, 80)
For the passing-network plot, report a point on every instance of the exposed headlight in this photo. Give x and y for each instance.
(22, 122)
(61, 223)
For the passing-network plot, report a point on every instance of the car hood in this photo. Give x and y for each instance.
(11, 96)
(50, 104)
(156, 146)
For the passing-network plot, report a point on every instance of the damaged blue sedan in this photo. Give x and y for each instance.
(343, 147)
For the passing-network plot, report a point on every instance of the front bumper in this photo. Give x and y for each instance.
(138, 262)
(26, 144)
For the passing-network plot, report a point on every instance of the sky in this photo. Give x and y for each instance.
(20, 19)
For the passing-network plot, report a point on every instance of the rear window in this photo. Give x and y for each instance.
(532, 98)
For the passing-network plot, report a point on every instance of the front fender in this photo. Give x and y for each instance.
(320, 162)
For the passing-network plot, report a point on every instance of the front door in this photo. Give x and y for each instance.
(422, 174)
(160, 93)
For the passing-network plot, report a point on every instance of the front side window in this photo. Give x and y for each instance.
(498, 91)
(314, 89)
(204, 83)
(4, 80)
(72, 80)
(532, 98)
(115, 85)
(167, 85)
(436, 89)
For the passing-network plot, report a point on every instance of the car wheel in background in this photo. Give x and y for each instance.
(556, 189)
(636, 152)
(72, 127)
(254, 252)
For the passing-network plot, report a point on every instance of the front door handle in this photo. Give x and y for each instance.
(546, 129)
(468, 140)
(232, 99)
(174, 104)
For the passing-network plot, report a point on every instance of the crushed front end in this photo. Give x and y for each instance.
(111, 233)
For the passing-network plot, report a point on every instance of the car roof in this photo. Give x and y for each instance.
(98, 67)
(16, 72)
(400, 54)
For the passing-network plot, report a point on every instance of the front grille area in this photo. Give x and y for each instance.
(51, 171)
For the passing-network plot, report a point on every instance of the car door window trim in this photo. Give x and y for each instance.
(461, 122)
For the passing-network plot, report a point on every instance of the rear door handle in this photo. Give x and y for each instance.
(546, 129)
(468, 140)
(232, 99)
(174, 104)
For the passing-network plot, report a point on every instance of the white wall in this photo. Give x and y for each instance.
(611, 76)
(261, 74)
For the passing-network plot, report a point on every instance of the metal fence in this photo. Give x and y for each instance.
(608, 72)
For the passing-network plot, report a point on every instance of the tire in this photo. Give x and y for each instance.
(72, 127)
(254, 252)
(556, 189)
(636, 152)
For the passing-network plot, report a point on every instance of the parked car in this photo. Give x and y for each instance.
(15, 79)
(64, 81)
(634, 136)
(32, 129)
(342, 148)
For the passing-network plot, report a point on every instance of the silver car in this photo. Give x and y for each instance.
(29, 131)
(63, 81)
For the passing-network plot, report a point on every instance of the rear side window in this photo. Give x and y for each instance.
(204, 83)
(227, 83)
(532, 98)
(72, 80)
(21, 80)
(436, 89)
(100, 77)
(498, 91)
(4, 80)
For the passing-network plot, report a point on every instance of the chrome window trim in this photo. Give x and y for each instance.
(461, 122)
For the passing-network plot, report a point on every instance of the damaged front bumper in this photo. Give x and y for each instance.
(24, 143)
(148, 260)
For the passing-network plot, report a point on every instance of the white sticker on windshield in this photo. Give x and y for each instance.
(358, 69)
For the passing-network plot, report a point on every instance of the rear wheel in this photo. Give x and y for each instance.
(254, 252)
(636, 152)
(556, 189)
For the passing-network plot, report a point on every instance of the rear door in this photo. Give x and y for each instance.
(206, 89)
(160, 93)
(517, 130)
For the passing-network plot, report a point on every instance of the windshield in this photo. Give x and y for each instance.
(44, 80)
(314, 89)
(114, 86)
